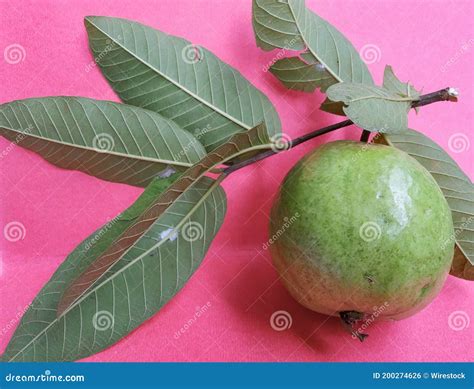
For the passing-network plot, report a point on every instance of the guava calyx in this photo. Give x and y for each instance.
(349, 321)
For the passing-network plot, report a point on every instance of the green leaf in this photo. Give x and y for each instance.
(337, 108)
(392, 83)
(181, 81)
(456, 186)
(329, 57)
(297, 74)
(111, 141)
(135, 271)
(373, 108)
(149, 275)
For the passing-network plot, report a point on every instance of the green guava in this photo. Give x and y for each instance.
(361, 229)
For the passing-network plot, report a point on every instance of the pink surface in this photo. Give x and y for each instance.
(427, 42)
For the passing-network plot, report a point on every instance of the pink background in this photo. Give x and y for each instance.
(427, 42)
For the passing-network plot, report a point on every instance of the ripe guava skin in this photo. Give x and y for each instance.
(367, 230)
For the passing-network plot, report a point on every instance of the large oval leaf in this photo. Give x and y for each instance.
(456, 186)
(149, 275)
(111, 141)
(329, 57)
(182, 82)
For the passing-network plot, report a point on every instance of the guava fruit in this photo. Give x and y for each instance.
(361, 229)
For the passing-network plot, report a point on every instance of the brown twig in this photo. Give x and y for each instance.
(446, 94)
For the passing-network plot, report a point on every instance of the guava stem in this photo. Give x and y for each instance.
(364, 137)
(349, 320)
(446, 94)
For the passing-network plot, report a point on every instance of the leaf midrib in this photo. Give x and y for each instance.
(202, 101)
(386, 98)
(328, 69)
(105, 152)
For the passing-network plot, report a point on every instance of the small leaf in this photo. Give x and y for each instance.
(392, 83)
(336, 108)
(129, 275)
(114, 142)
(461, 267)
(455, 185)
(297, 74)
(329, 57)
(179, 80)
(372, 108)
